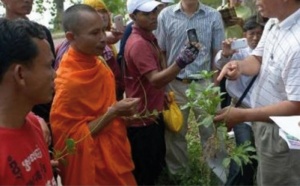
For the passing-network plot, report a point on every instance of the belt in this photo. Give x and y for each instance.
(187, 80)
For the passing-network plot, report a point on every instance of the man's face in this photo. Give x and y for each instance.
(40, 75)
(269, 8)
(18, 7)
(90, 38)
(253, 36)
(147, 20)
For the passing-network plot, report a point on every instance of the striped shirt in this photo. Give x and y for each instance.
(237, 87)
(171, 35)
(279, 75)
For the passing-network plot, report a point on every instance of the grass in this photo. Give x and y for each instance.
(200, 173)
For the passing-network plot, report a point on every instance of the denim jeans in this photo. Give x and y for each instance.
(242, 175)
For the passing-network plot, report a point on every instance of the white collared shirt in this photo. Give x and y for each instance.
(279, 77)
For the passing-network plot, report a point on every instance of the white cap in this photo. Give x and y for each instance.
(141, 5)
(167, 1)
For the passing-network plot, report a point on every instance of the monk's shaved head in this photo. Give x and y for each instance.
(73, 17)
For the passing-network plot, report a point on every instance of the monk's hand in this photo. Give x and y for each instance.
(126, 107)
(231, 71)
(230, 116)
(187, 55)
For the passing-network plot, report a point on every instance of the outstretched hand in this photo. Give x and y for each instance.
(126, 107)
(231, 71)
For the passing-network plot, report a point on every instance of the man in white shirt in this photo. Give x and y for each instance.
(243, 132)
(276, 92)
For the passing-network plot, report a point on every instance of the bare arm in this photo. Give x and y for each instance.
(249, 66)
(160, 78)
(113, 37)
(284, 108)
(125, 107)
(233, 116)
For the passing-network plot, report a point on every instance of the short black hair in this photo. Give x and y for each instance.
(16, 42)
(252, 23)
(72, 16)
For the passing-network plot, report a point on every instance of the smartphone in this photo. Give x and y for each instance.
(192, 35)
(119, 23)
(239, 43)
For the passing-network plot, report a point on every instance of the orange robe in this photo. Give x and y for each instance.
(85, 88)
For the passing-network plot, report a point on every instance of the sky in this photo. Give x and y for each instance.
(44, 18)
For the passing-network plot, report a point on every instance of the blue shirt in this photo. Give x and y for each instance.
(171, 35)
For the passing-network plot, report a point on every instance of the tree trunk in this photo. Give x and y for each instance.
(59, 12)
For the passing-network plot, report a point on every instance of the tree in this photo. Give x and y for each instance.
(116, 6)
(59, 4)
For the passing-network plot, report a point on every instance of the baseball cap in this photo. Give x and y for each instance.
(141, 5)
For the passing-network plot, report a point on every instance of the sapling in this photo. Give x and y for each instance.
(207, 98)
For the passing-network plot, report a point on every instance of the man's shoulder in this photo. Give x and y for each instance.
(136, 40)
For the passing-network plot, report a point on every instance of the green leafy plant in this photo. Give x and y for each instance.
(207, 98)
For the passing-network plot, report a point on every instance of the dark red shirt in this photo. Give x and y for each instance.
(142, 55)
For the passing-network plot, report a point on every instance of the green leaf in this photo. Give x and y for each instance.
(155, 112)
(70, 143)
(207, 121)
(226, 162)
(237, 160)
(250, 149)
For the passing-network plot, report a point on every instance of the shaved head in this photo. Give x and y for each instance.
(74, 18)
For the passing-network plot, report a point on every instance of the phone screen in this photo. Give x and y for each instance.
(192, 35)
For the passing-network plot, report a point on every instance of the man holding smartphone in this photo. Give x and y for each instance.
(173, 22)
(145, 78)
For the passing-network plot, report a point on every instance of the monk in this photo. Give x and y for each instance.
(85, 108)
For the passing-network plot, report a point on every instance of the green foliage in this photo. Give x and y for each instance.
(199, 173)
(212, 3)
(40, 8)
(240, 155)
(116, 6)
(207, 98)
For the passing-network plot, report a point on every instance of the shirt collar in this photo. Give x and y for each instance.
(146, 35)
(289, 21)
(178, 8)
